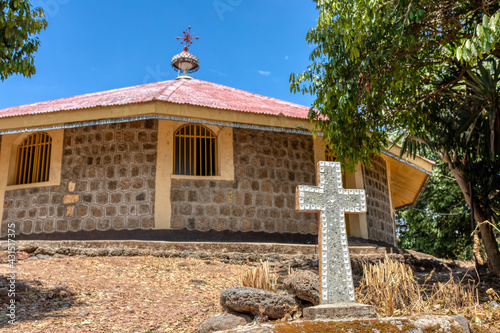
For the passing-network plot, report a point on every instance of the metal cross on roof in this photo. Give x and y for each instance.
(187, 38)
(332, 201)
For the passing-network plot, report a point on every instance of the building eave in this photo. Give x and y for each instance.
(406, 191)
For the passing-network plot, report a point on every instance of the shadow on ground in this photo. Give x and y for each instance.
(33, 300)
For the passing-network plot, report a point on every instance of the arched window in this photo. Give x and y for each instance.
(33, 159)
(195, 151)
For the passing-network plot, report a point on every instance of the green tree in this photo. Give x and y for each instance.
(440, 215)
(19, 21)
(409, 66)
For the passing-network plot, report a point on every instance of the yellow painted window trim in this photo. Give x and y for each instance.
(8, 152)
(164, 166)
(8, 155)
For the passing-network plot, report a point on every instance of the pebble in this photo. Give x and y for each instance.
(60, 256)
(82, 313)
(197, 282)
(43, 257)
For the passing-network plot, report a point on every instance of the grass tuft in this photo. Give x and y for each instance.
(260, 278)
(391, 287)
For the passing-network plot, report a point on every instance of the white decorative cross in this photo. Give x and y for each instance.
(331, 200)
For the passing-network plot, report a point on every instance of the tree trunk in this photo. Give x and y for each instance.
(490, 246)
(487, 236)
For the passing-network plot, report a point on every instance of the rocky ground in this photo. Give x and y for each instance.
(143, 293)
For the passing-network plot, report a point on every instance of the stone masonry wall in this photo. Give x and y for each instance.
(379, 216)
(268, 168)
(107, 182)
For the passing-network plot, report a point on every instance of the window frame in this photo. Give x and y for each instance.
(193, 144)
(330, 156)
(165, 176)
(8, 155)
(33, 159)
(225, 158)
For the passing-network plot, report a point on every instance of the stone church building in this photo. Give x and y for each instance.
(185, 156)
(183, 159)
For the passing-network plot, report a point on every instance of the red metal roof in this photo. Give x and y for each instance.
(181, 91)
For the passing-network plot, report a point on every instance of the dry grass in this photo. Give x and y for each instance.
(477, 247)
(391, 287)
(479, 252)
(452, 295)
(260, 278)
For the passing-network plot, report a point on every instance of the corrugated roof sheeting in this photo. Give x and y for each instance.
(180, 91)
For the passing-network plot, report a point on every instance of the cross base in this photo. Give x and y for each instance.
(339, 311)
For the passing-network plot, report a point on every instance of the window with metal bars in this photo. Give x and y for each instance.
(33, 159)
(330, 156)
(195, 151)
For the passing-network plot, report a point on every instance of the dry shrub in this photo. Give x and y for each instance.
(477, 247)
(452, 295)
(489, 312)
(492, 295)
(260, 278)
(390, 287)
(393, 290)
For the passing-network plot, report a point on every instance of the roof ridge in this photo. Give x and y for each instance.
(255, 94)
(170, 86)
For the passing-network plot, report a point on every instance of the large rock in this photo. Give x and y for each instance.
(339, 311)
(414, 324)
(257, 301)
(305, 285)
(219, 323)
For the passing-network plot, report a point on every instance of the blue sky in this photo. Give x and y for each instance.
(92, 45)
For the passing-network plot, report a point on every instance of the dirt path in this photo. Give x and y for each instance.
(118, 294)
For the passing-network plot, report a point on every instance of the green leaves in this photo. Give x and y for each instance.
(484, 40)
(395, 56)
(18, 23)
(424, 68)
(355, 52)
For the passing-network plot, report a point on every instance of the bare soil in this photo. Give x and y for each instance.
(117, 294)
(140, 293)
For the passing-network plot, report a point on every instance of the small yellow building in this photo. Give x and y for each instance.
(179, 160)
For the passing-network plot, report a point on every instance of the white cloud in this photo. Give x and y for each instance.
(286, 57)
(265, 73)
(217, 72)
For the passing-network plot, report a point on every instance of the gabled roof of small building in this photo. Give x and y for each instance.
(179, 91)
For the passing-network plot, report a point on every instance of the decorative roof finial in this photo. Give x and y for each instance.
(185, 61)
(187, 38)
